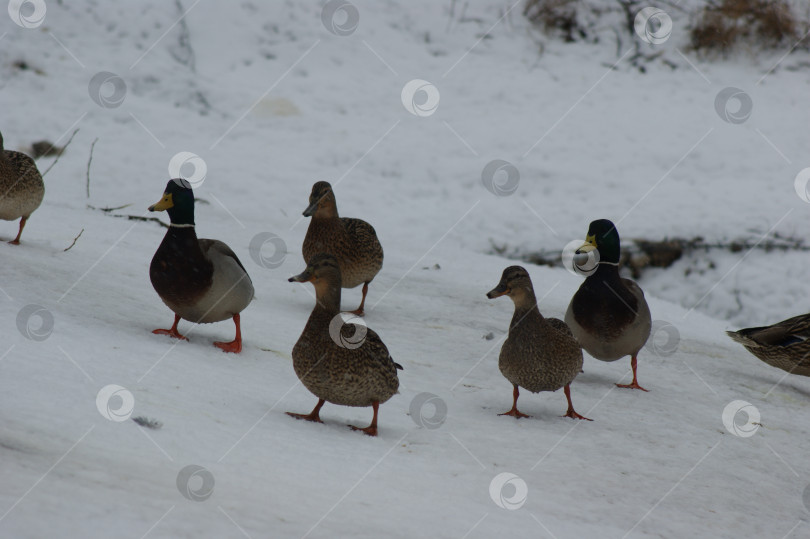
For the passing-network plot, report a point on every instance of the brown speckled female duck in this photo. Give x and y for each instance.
(609, 315)
(352, 241)
(21, 187)
(337, 362)
(201, 280)
(540, 354)
(785, 345)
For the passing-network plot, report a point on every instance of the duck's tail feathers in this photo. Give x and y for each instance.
(736, 336)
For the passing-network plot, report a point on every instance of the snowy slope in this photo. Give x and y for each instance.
(272, 102)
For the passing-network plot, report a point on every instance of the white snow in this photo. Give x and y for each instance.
(286, 103)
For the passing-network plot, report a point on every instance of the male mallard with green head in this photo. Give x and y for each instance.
(21, 187)
(353, 242)
(609, 315)
(540, 354)
(785, 345)
(339, 364)
(201, 280)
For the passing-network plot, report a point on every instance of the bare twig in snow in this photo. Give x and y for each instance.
(74, 242)
(90, 160)
(144, 219)
(110, 209)
(62, 152)
(183, 53)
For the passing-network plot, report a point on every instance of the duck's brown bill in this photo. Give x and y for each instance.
(498, 291)
(311, 209)
(303, 277)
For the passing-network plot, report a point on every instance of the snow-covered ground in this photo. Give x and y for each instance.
(272, 101)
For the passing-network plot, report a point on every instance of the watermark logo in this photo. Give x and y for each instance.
(179, 166)
(195, 483)
(800, 184)
(30, 329)
(750, 427)
(340, 17)
(107, 90)
(664, 338)
(579, 261)
(340, 334)
(508, 491)
(268, 250)
(111, 395)
(432, 403)
(727, 112)
(27, 13)
(501, 178)
(653, 25)
(420, 98)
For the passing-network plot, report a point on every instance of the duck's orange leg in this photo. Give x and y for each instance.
(313, 415)
(371, 430)
(514, 411)
(634, 383)
(235, 346)
(571, 413)
(359, 311)
(171, 332)
(16, 241)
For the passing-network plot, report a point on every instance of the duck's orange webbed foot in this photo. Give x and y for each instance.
(514, 412)
(172, 332)
(234, 346)
(632, 385)
(573, 415)
(371, 430)
(312, 416)
(359, 311)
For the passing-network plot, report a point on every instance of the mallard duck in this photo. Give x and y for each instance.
(21, 187)
(609, 315)
(341, 365)
(785, 345)
(352, 241)
(201, 280)
(540, 354)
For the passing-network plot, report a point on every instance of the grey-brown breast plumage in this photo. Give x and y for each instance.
(341, 363)
(21, 185)
(538, 356)
(353, 242)
(205, 289)
(608, 326)
(341, 375)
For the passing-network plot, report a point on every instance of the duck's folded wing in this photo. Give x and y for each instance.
(633, 287)
(212, 248)
(791, 331)
(560, 326)
(374, 345)
(362, 232)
